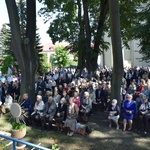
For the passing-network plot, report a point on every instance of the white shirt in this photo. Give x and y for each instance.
(39, 106)
(8, 101)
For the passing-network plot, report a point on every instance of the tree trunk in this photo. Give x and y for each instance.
(102, 17)
(92, 54)
(87, 35)
(24, 49)
(116, 48)
(81, 45)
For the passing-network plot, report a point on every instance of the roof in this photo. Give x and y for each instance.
(49, 47)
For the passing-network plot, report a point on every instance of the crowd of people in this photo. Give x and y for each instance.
(67, 98)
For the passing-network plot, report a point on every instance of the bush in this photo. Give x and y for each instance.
(18, 126)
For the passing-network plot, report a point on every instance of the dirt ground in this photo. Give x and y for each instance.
(101, 138)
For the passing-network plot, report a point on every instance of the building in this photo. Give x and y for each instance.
(131, 57)
(48, 50)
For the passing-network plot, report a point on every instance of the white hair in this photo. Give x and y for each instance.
(114, 101)
(39, 96)
(129, 96)
(86, 93)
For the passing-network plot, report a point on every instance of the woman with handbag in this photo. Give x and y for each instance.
(86, 106)
(114, 113)
(144, 114)
(129, 108)
(72, 114)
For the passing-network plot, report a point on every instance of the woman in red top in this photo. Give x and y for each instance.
(77, 100)
(141, 87)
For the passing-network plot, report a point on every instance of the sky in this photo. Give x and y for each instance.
(40, 22)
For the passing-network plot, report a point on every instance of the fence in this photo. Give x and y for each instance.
(15, 141)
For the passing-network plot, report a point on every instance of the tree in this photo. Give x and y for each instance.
(40, 57)
(7, 49)
(61, 58)
(6, 40)
(8, 62)
(80, 23)
(116, 48)
(141, 30)
(24, 48)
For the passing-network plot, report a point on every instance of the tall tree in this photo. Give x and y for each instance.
(141, 30)
(24, 49)
(116, 49)
(6, 40)
(40, 59)
(61, 58)
(80, 24)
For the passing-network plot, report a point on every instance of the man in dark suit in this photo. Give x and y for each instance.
(98, 94)
(26, 106)
(41, 86)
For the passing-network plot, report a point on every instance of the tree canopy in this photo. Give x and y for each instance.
(61, 57)
(79, 22)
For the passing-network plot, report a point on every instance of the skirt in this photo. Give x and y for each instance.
(114, 118)
(71, 123)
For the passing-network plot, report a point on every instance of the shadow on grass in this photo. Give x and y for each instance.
(101, 138)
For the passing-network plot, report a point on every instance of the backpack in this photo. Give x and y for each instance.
(88, 129)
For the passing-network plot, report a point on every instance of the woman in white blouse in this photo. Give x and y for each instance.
(6, 105)
(38, 110)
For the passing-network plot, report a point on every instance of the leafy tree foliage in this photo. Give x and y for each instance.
(40, 58)
(45, 64)
(8, 62)
(81, 22)
(61, 58)
(5, 40)
(142, 30)
(6, 37)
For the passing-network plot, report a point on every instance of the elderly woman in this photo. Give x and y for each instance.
(8, 100)
(7, 103)
(72, 114)
(129, 108)
(143, 114)
(38, 110)
(114, 113)
(61, 114)
(86, 106)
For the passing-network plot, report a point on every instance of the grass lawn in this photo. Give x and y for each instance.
(101, 138)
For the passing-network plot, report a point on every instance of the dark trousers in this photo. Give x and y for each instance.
(46, 120)
(143, 120)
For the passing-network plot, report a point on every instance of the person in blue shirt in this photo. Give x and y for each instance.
(129, 109)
